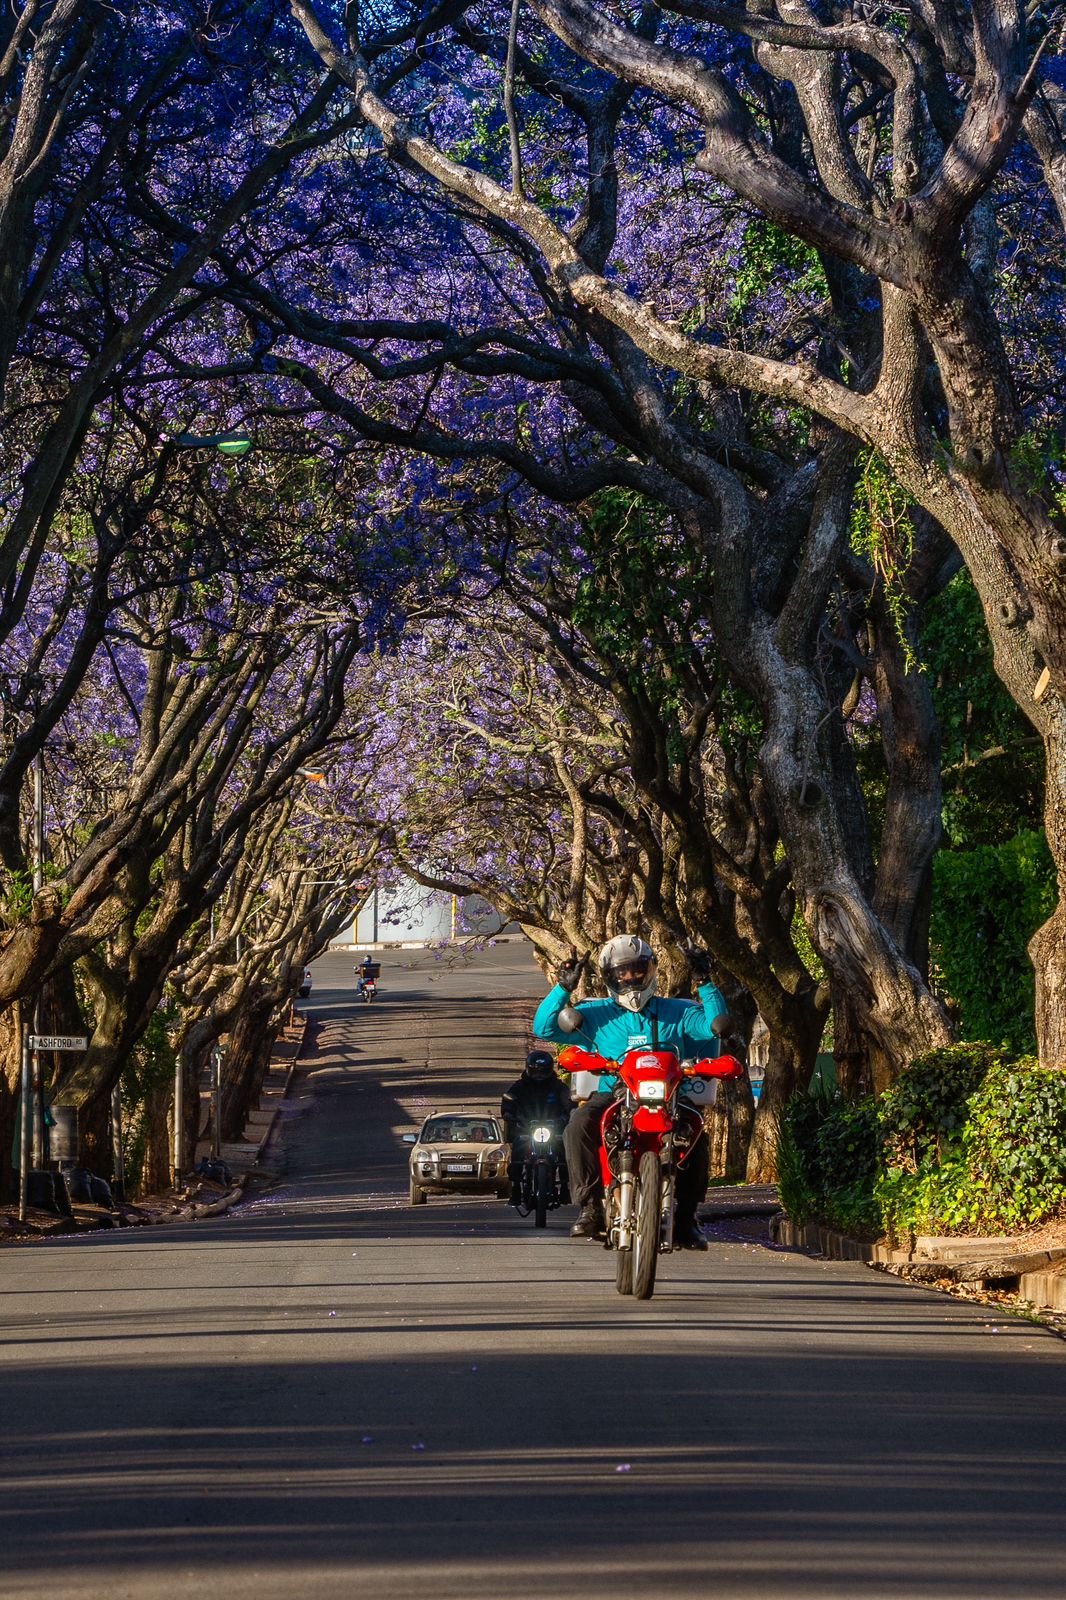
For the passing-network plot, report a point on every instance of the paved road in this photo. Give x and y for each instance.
(334, 1395)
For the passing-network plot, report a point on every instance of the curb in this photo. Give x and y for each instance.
(226, 1202)
(709, 1212)
(284, 1095)
(134, 1216)
(1044, 1289)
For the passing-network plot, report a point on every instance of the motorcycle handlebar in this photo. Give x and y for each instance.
(720, 1067)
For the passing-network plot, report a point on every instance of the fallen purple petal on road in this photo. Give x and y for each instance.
(368, 1438)
(419, 1446)
(623, 1466)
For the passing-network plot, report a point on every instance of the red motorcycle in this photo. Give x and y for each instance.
(646, 1136)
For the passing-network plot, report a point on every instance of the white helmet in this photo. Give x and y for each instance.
(627, 966)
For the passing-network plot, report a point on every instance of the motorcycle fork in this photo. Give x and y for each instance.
(667, 1156)
(666, 1224)
(627, 1188)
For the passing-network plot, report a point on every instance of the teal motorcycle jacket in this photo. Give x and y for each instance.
(683, 1026)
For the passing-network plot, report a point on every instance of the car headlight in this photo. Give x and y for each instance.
(652, 1089)
(541, 1135)
(495, 1155)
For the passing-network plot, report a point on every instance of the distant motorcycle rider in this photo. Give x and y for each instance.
(633, 1018)
(539, 1098)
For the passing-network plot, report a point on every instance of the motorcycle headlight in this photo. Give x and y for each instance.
(652, 1089)
(542, 1135)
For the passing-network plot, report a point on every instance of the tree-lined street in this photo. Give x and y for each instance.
(584, 468)
(331, 1392)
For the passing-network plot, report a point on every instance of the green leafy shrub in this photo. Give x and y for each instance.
(1015, 1146)
(988, 902)
(926, 1108)
(967, 1138)
(831, 1152)
(795, 1186)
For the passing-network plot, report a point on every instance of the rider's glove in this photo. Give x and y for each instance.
(700, 962)
(569, 974)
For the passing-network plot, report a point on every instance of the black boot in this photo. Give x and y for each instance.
(688, 1235)
(590, 1222)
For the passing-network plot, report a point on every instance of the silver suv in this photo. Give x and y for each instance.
(458, 1150)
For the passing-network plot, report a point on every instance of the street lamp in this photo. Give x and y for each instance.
(227, 444)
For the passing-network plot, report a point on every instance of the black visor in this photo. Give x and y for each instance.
(630, 976)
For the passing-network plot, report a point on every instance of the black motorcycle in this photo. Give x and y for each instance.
(367, 975)
(543, 1179)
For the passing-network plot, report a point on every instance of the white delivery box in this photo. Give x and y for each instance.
(702, 1092)
(582, 1084)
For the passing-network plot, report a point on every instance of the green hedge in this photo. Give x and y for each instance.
(967, 1138)
(987, 904)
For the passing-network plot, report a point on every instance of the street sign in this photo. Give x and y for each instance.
(58, 1041)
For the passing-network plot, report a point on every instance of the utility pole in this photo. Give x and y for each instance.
(216, 1100)
(25, 1098)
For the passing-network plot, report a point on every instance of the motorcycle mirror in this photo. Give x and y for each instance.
(569, 1019)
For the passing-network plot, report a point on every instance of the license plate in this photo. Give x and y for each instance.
(459, 1166)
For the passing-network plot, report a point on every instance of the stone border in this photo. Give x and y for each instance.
(1023, 1273)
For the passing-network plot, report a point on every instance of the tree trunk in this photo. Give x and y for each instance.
(10, 1079)
(1017, 559)
(729, 1128)
(851, 1048)
(94, 1133)
(153, 1174)
(246, 1060)
(789, 1065)
(889, 999)
(911, 833)
(1047, 947)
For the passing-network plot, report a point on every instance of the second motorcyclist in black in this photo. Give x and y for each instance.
(538, 1098)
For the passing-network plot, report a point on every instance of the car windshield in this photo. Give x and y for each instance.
(461, 1130)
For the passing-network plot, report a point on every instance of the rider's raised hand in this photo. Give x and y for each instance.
(700, 963)
(569, 974)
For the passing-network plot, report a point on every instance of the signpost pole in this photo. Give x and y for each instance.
(25, 1112)
(37, 1098)
(37, 1086)
(179, 1114)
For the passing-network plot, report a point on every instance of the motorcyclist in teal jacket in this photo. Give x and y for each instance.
(634, 1017)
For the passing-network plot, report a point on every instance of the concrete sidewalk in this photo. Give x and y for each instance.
(243, 1155)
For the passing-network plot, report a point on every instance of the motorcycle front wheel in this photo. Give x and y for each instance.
(646, 1232)
(623, 1272)
(542, 1187)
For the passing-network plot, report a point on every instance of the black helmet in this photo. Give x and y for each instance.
(539, 1064)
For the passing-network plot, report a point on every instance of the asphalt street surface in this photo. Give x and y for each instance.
(332, 1394)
